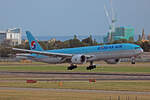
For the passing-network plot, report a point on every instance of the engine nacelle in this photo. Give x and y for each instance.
(112, 61)
(78, 59)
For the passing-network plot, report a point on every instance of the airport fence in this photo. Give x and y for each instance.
(124, 98)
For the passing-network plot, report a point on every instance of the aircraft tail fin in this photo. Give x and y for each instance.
(34, 45)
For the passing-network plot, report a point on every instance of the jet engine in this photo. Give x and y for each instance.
(78, 59)
(112, 61)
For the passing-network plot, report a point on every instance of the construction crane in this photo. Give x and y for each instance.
(111, 21)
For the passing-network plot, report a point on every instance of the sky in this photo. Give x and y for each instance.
(68, 17)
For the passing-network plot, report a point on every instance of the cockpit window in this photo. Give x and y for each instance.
(137, 47)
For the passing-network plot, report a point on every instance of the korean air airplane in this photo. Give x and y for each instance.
(74, 56)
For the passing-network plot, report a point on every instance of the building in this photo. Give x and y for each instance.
(143, 37)
(3, 36)
(126, 33)
(53, 40)
(11, 36)
(116, 33)
(148, 37)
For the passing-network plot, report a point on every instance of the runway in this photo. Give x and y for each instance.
(74, 73)
(16, 76)
(76, 90)
(76, 76)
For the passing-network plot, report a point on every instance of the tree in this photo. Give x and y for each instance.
(58, 45)
(88, 40)
(131, 39)
(144, 45)
(43, 45)
(5, 51)
(95, 42)
(75, 37)
(75, 43)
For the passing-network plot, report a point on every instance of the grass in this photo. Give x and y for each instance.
(119, 68)
(10, 81)
(103, 85)
(53, 95)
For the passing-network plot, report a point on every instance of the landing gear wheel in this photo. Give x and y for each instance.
(94, 66)
(71, 67)
(133, 60)
(88, 68)
(91, 66)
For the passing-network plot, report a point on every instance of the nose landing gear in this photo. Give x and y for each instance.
(133, 60)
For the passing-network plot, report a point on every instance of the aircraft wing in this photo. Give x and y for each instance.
(47, 53)
(24, 55)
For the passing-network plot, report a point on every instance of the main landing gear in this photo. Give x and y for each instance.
(133, 60)
(71, 67)
(92, 66)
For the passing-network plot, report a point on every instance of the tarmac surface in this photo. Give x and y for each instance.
(75, 76)
(75, 90)
(74, 73)
(72, 76)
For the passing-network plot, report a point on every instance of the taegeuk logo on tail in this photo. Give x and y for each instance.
(33, 45)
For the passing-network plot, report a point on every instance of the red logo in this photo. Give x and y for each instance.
(33, 45)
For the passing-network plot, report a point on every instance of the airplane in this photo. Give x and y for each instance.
(111, 54)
